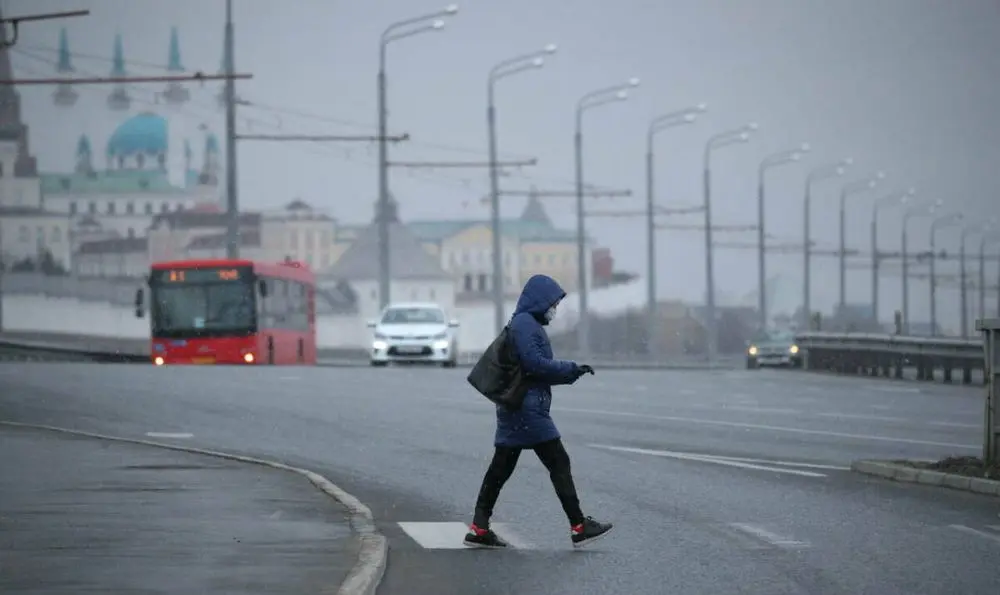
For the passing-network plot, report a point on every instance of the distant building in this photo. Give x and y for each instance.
(530, 244)
(416, 275)
(147, 169)
(30, 233)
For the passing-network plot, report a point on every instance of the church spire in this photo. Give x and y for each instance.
(176, 93)
(64, 95)
(11, 126)
(534, 211)
(119, 99)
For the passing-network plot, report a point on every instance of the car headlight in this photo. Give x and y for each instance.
(752, 350)
(793, 349)
(379, 344)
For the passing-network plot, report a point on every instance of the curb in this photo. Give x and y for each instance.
(905, 474)
(366, 574)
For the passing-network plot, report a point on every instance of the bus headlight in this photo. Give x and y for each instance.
(793, 349)
(157, 361)
(248, 358)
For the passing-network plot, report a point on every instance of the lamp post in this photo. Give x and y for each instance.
(773, 160)
(896, 198)
(913, 211)
(506, 68)
(589, 101)
(936, 225)
(722, 139)
(657, 125)
(394, 32)
(849, 190)
(823, 172)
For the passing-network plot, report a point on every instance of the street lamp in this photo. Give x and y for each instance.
(589, 101)
(774, 160)
(509, 67)
(896, 198)
(394, 32)
(848, 190)
(722, 139)
(823, 172)
(914, 211)
(658, 124)
(939, 223)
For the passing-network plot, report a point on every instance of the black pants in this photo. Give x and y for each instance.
(553, 455)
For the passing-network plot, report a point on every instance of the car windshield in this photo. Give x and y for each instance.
(774, 337)
(413, 316)
(203, 310)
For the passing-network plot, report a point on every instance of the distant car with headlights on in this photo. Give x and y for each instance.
(414, 333)
(773, 348)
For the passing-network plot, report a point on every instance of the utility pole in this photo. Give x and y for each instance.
(232, 202)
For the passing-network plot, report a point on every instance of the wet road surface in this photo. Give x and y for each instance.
(80, 515)
(718, 481)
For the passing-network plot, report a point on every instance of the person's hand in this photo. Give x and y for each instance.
(585, 369)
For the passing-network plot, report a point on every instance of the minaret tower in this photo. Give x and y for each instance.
(176, 94)
(119, 99)
(64, 95)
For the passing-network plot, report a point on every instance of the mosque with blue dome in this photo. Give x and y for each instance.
(145, 167)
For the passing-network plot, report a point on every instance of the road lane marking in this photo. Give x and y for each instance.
(449, 535)
(178, 435)
(782, 463)
(705, 459)
(733, 424)
(769, 537)
(976, 532)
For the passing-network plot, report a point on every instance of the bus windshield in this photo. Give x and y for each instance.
(203, 309)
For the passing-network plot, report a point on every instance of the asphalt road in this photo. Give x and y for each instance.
(79, 515)
(718, 482)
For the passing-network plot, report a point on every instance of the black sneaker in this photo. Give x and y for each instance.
(483, 538)
(589, 530)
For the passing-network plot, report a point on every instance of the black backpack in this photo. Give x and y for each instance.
(498, 375)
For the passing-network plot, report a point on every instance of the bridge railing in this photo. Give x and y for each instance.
(892, 355)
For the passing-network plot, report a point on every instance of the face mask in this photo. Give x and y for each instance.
(550, 314)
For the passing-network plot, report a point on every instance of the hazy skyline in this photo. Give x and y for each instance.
(903, 86)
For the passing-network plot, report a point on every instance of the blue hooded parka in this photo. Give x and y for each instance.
(532, 424)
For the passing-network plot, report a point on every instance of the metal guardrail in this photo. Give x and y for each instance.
(21, 351)
(25, 346)
(890, 355)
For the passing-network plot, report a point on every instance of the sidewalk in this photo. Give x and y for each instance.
(80, 515)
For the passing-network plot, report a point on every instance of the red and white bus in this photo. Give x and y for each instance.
(230, 312)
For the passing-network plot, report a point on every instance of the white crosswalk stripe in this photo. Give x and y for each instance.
(449, 535)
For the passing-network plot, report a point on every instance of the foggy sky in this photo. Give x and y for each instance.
(904, 86)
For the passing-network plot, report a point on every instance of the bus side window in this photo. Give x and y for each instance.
(279, 307)
(301, 307)
(264, 290)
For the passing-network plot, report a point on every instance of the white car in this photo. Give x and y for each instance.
(414, 332)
